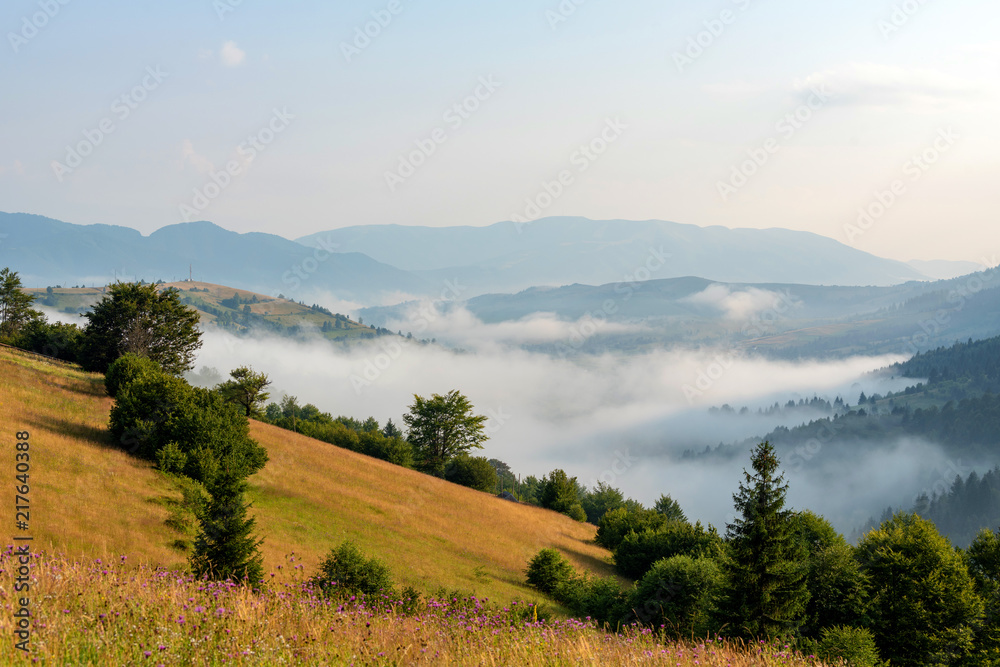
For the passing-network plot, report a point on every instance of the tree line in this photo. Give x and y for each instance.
(902, 596)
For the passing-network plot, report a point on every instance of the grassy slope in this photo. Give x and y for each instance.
(283, 311)
(91, 499)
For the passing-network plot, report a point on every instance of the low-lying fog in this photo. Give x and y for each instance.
(622, 419)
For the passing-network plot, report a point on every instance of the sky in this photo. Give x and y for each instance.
(869, 121)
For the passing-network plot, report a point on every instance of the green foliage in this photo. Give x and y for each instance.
(226, 547)
(143, 320)
(392, 449)
(156, 409)
(923, 603)
(442, 427)
(474, 472)
(346, 571)
(618, 523)
(983, 558)
(15, 306)
(170, 458)
(669, 508)
(855, 646)
(600, 598)
(548, 570)
(682, 593)
(765, 569)
(55, 339)
(126, 369)
(638, 551)
(560, 494)
(246, 389)
(600, 500)
(837, 588)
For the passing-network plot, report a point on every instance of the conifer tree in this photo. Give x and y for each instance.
(226, 547)
(765, 563)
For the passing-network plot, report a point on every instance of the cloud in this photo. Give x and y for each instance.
(619, 418)
(884, 86)
(455, 325)
(232, 55)
(201, 163)
(737, 305)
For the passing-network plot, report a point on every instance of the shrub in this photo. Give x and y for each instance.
(347, 571)
(548, 570)
(127, 369)
(638, 551)
(681, 593)
(475, 472)
(618, 523)
(855, 646)
(171, 459)
(600, 598)
(559, 493)
(394, 450)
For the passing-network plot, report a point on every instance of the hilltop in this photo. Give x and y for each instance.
(93, 500)
(230, 308)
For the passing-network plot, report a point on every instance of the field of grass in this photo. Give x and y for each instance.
(107, 613)
(90, 498)
(109, 585)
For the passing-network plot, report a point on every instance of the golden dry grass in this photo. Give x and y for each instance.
(89, 498)
(110, 613)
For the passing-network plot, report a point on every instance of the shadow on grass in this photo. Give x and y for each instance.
(592, 563)
(89, 387)
(97, 435)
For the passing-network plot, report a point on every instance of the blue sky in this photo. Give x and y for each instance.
(256, 116)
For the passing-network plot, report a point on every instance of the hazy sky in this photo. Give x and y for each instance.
(121, 112)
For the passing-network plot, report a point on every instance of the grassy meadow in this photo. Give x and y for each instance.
(110, 585)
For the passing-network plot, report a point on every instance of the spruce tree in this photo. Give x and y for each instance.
(765, 564)
(226, 547)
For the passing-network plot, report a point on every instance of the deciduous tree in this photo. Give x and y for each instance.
(442, 427)
(144, 320)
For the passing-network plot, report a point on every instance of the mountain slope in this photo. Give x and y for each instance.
(89, 498)
(50, 252)
(559, 251)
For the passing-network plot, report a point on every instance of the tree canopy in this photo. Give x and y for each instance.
(442, 427)
(15, 305)
(144, 320)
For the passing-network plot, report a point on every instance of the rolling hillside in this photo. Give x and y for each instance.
(91, 499)
(217, 306)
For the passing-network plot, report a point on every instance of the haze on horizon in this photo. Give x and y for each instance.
(169, 95)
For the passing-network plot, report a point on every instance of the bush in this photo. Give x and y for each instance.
(53, 339)
(394, 450)
(171, 459)
(127, 369)
(681, 593)
(475, 472)
(157, 409)
(559, 493)
(638, 551)
(855, 646)
(548, 570)
(618, 523)
(600, 598)
(346, 571)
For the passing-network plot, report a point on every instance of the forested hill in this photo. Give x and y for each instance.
(975, 364)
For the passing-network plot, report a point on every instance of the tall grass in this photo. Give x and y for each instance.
(107, 612)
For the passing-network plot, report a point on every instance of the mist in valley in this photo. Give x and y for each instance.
(637, 422)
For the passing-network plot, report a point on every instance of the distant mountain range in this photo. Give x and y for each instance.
(508, 257)
(383, 264)
(49, 252)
